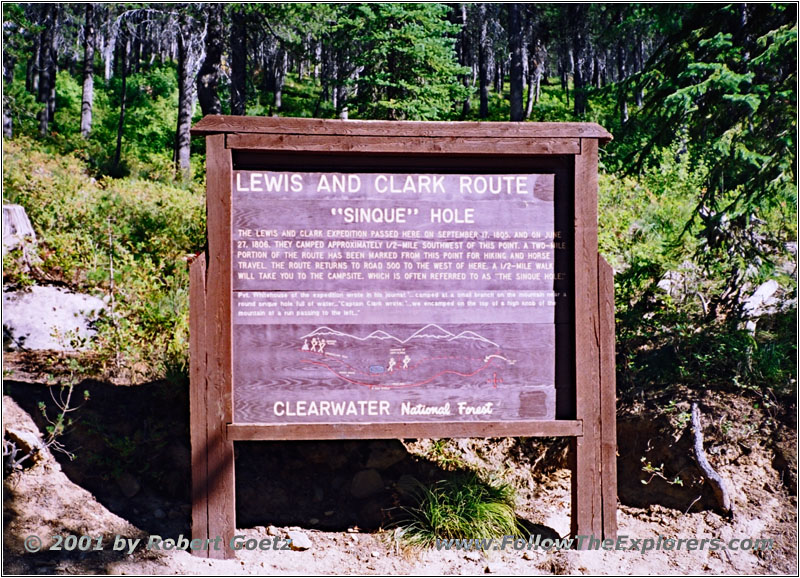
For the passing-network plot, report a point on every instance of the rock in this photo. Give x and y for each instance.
(385, 454)
(474, 556)
(29, 447)
(49, 318)
(272, 531)
(527, 555)
(366, 483)
(493, 568)
(128, 485)
(375, 554)
(300, 541)
(762, 301)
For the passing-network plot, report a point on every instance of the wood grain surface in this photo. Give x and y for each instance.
(213, 124)
(198, 408)
(608, 399)
(448, 429)
(221, 486)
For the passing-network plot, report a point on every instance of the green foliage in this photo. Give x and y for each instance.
(447, 457)
(140, 230)
(725, 90)
(667, 330)
(464, 506)
(697, 192)
(124, 453)
(61, 420)
(406, 53)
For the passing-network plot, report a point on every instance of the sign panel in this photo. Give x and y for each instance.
(372, 297)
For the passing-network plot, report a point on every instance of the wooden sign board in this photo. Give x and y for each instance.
(391, 297)
(379, 280)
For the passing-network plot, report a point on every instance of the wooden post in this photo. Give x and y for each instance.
(198, 425)
(586, 496)
(608, 399)
(221, 487)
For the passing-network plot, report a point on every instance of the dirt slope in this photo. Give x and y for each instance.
(43, 501)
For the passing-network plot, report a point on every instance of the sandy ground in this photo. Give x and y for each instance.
(42, 501)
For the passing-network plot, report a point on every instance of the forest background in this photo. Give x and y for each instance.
(698, 190)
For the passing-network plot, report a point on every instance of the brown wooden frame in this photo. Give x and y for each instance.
(593, 427)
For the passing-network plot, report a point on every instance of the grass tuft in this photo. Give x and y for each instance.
(464, 506)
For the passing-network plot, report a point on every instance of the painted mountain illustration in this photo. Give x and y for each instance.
(430, 331)
(384, 359)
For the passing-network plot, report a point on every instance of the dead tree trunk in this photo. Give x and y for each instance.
(622, 73)
(238, 63)
(185, 97)
(716, 481)
(208, 76)
(123, 70)
(465, 57)
(580, 53)
(515, 46)
(88, 72)
(47, 68)
(483, 61)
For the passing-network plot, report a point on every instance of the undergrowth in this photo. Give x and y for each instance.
(125, 240)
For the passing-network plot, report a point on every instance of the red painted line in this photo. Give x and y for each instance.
(371, 385)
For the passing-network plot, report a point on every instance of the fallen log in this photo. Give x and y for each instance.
(716, 481)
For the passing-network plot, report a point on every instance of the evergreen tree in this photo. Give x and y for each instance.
(406, 53)
(724, 86)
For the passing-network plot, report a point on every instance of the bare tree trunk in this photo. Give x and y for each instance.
(182, 135)
(622, 101)
(147, 45)
(8, 77)
(531, 91)
(10, 30)
(47, 67)
(577, 14)
(536, 65)
(716, 481)
(281, 67)
(208, 76)
(341, 101)
(464, 56)
(499, 76)
(109, 50)
(88, 72)
(595, 71)
(124, 46)
(639, 50)
(238, 63)
(32, 70)
(515, 46)
(134, 60)
(483, 61)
